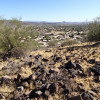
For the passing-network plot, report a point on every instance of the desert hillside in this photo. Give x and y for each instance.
(62, 73)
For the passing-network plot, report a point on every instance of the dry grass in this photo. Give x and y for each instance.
(26, 71)
(80, 53)
(6, 89)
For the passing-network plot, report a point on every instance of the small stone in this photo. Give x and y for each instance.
(47, 93)
(33, 77)
(97, 62)
(20, 77)
(76, 98)
(1, 97)
(38, 57)
(70, 65)
(67, 57)
(25, 84)
(78, 66)
(91, 61)
(30, 64)
(38, 92)
(6, 80)
(81, 87)
(87, 96)
(45, 60)
(96, 69)
(20, 88)
(52, 88)
(97, 79)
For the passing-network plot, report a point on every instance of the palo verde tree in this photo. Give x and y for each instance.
(14, 37)
(94, 30)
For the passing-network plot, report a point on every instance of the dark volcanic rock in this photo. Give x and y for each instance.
(97, 62)
(78, 67)
(67, 57)
(57, 59)
(70, 65)
(38, 57)
(19, 78)
(52, 88)
(91, 61)
(81, 87)
(96, 69)
(30, 64)
(45, 60)
(20, 88)
(35, 93)
(1, 97)
(97, 78)
(87, 96)
(6, 80)
(76, 98)
(70, 49)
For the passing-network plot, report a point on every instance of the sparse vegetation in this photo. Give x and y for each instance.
(69, 42)
(52, 43)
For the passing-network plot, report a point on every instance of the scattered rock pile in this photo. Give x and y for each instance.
(58, 77)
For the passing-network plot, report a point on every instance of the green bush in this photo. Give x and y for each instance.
(94, 31)
(69, 42)
(52, 43)
(47, 37)
(16, 38)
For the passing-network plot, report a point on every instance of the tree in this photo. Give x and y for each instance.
(14, 37)
(94, 30)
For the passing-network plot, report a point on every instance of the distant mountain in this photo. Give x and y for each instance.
(53, 23)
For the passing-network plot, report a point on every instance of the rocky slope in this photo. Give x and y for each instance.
(64, 73)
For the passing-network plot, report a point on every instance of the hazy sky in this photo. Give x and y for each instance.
(51, 10)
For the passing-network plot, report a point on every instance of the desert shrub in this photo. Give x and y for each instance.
(15, 38)
(94, 31)
(69, 42)
(47, 37)
(52, 43)
(72, 35)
